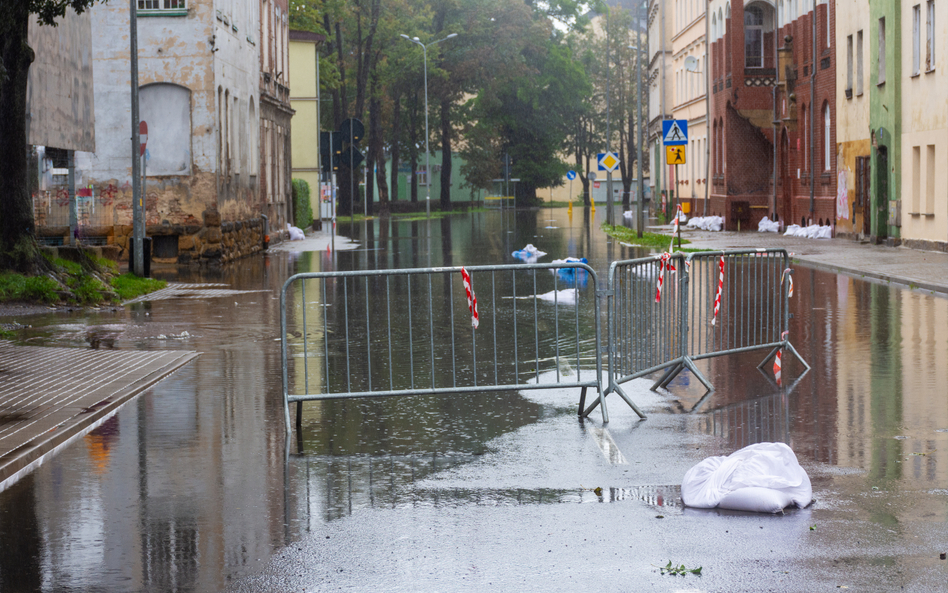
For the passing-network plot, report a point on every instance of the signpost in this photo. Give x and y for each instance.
(143, 134)
(571, 175)
(675, 139)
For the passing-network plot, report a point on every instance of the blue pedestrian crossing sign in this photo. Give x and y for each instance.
(571, 175)
(675, 132)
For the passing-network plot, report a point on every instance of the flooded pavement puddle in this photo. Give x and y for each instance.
(191, 487)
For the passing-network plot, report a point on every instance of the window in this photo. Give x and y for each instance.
(806, 131)
(849, 66)
(929, 180)
(916, 179)
(754, 37)
(916, 38)
(169, 144)
(859, 70)
(930, 44)
(163, 6)
(829, 31)
(714, 27)
(880, 74)
(827, 133)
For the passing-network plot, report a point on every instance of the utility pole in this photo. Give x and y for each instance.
(138, 219)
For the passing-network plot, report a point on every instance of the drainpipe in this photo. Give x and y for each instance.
(707, 106)
(813, 113)
(773, 204)
(662, 53)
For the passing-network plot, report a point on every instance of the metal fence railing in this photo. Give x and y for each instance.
(347, 335)
(652, 329)
(407, 332)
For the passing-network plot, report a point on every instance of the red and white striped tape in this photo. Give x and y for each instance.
(778, 364)
(678, 214)
(471, 297)
(663, 262)
(788, 275)
(717, 297)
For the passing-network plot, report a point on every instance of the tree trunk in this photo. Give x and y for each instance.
(396, 131)
(17, 228)
(376, 154)
(445, 155)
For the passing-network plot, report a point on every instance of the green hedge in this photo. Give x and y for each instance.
(302, 209)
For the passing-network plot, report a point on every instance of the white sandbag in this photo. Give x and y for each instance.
(824, 232)
(768, 226)
(296, 234)
(560, 297)
(756, 500)
(706, 223)
(528, 253)
(793, 231)
(768, 472)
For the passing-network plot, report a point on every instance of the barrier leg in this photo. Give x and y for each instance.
(670, 374)
(582, 401)
(629, 401)
(700, 376)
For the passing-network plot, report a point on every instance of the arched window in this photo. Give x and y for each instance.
(781, 15)
(168, 108)
(722, 26)
(714, 28)
(827, 137)
(753, 37)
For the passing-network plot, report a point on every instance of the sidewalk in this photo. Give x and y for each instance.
(910, 268)
(49, 397)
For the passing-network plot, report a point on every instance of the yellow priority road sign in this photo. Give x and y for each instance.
(675, 155)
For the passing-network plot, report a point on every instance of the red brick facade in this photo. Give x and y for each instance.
(745, 104)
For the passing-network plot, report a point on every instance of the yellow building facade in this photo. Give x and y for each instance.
(303, 98)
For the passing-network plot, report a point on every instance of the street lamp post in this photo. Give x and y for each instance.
(424, 48)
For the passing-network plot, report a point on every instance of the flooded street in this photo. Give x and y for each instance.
(189, 487)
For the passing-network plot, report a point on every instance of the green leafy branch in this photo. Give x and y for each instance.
(679, 570)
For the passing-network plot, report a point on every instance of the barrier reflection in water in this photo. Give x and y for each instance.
(334, 487)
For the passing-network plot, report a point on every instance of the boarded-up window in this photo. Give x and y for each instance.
(167, 109)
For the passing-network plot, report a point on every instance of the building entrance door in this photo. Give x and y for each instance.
(880, 220)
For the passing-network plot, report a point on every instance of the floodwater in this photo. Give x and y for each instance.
(190, 488)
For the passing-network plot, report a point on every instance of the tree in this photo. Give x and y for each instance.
(18, 250)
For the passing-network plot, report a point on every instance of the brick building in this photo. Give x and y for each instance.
(773, 111)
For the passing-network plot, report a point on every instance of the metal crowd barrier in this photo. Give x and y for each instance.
(345, 336)
(647, 334)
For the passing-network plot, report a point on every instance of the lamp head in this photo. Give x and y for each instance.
(406, 37)
(416, 40)
(451, 35)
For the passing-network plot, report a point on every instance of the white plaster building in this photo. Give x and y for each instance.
(661, 92)
(199, 67)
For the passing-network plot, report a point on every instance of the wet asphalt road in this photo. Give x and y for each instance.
(188, 488)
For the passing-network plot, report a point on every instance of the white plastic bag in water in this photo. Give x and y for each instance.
(765, 478)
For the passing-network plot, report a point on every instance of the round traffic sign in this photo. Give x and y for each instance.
(571, 175)
(592, 175)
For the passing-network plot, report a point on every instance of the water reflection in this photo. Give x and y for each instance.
(186, 488)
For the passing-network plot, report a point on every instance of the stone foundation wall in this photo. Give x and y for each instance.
(213, 243)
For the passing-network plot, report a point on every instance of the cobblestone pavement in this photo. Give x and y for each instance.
(913, 268)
